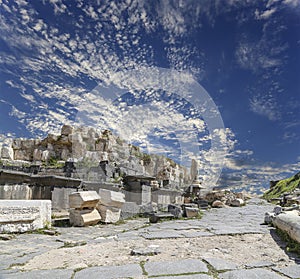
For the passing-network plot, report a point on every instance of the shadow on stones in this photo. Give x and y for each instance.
(284, 245)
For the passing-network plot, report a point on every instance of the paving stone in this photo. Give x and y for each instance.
(256, 273)
(38, 274)
(175, 267)
(259, 264)
(162, 234)
(192, 233)
(292, 271)
(110, 272)
(221, 264)
(194, 276)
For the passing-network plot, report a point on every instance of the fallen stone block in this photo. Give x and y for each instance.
(111, 198)
(84, 199)
(289, 222)
(175, 210)
(269, 217)
(218, 204)
(109, 214)
(155, 217)
(237, 202)
(84, 217)
(24, 215)
(191, 212)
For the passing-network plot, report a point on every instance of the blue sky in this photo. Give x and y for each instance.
(73, 61)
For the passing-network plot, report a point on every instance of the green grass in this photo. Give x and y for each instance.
(282, 187)
(292, 245)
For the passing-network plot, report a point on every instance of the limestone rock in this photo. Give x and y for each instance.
(237, 202)
(175, 210)
(218, 204)
(289, 222)
(46, 155)
(191, 212)
(7, 153)
(111, 198)
(85, 217)
(269, 217)
(37, 155)
(66, 130)
(83, 199)
(109, 214)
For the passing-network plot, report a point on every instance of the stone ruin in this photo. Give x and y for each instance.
(18, 216)
(88, 147)
(286, 219)
(89, 207)
(83, 210)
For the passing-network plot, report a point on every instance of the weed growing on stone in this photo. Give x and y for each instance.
(292, 245)
(73, 244)
(142, 265)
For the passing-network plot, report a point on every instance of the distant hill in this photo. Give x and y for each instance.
(283, 186)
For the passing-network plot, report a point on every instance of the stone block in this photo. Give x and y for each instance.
(191, 212)
(46, 155)
(7, 153)
(109, 214)
(60, 197)
(66, 130)
(218, 204)
(175, 210)
(84, 217)
(37, 154)
(237, 202)
(129, 209)
(179, 200)
(83, 199)
(24, 215)
(111, 198)
(175, 267)
(289, 222)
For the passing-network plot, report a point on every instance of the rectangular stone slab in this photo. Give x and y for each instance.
(24, 215)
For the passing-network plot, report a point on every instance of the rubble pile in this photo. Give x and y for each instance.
(224, 198)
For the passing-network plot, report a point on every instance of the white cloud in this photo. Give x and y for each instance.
(292, 3)
(265, 14)
(265, 106)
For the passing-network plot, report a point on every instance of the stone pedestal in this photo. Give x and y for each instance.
(24, 215)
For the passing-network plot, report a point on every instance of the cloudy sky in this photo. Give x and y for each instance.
(215, 80)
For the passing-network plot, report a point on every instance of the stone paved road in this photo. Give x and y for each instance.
(226, 243)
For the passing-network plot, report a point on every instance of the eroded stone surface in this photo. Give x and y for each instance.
(292, 271)
(24, 215)
(250, 274)
(221, 264)
(175, 267)
(110, 272)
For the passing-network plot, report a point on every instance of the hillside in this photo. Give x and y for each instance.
(283, 186)
(89, 147)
